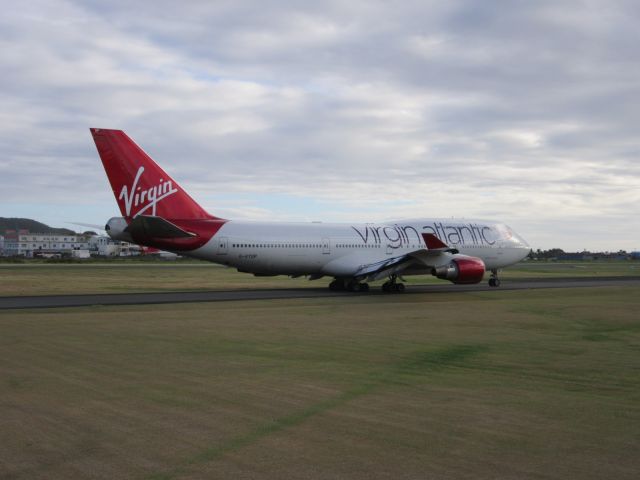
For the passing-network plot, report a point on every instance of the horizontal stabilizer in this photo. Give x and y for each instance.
(88, 225)
(146, 226)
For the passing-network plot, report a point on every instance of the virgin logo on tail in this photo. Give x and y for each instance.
(149, 198)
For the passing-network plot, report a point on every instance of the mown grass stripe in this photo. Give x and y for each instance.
(417, 364)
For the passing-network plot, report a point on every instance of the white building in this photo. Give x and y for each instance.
(107, 247)
(24, 243)
(104, 246)
(80, 254)
(1, 245)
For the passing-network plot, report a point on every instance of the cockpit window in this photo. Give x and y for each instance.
(507, 234)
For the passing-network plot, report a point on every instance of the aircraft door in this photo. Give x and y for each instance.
(222, 246)
(501, 242)
(326, 246)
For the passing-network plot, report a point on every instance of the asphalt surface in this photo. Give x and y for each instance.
(55, 301)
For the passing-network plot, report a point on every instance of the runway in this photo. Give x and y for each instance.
(58, 301)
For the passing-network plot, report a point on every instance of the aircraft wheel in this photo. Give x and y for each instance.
(336, 285)
(393, 287)
(494, 281)
(353, 286)
(364, 287)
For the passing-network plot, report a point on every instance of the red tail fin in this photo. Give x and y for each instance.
(141, 187)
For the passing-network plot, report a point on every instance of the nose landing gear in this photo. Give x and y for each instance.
(494, 281)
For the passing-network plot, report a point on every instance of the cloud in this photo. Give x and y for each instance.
(523, 112)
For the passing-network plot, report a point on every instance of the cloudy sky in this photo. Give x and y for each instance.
(526, 112)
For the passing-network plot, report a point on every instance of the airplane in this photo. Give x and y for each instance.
(157, 212)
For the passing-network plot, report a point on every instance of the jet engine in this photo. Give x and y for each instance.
(462, 270)
(116, 229)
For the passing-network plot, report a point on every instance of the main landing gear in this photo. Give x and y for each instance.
(351, 285)
(392, 285)
(494, 281)
(339, 285)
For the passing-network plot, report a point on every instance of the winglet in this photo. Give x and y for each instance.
(434, 243)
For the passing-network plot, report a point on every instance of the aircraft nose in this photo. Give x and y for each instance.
(509, 236)
(521, 242)
(522, 245)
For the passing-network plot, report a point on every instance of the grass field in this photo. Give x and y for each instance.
(512, 384)
(51, 279)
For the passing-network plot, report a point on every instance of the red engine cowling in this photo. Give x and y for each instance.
(462, 270)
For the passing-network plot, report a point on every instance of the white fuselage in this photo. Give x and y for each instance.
(341, 249)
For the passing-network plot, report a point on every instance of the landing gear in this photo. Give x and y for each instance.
(339, 285)
(494, 281)
(354, 286)
(392, 285)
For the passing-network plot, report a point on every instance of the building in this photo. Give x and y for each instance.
(104, 246)
(1, 245)
(25, 244)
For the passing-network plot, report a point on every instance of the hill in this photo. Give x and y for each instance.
(32, 225)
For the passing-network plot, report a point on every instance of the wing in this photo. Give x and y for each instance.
(435, 253)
